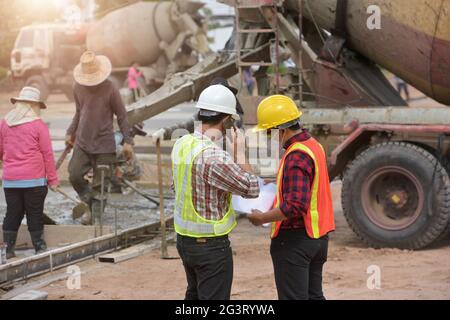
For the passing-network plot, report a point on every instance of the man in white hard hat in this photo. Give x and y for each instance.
(205, 176)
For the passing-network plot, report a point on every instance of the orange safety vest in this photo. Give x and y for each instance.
(319, 220)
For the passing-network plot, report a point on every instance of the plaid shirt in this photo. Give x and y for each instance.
(298, 177)
(215, 176)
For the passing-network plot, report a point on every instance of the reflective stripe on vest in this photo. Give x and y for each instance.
(187, 221)
(319, 220)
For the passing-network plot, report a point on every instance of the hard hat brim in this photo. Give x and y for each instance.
(211, 113)
(258, 129)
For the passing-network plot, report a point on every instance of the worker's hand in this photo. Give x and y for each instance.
(54, 188)
(256, 218)
(158, 135)
(69, 141)
(128, 151)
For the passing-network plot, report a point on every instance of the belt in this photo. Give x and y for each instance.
(201, 240)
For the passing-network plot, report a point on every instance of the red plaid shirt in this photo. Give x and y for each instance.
(215, 176)
(298, 177)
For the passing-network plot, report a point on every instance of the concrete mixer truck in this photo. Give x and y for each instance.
(392, 159)
(162, 37)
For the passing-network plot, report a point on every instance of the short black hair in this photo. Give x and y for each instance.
(212, 120)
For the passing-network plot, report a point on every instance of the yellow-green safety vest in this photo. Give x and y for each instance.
(187, 220)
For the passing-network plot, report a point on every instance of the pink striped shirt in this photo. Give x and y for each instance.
(26, 152)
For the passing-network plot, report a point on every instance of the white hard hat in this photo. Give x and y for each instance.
(218, 99)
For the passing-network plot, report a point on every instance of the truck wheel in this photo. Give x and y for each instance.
(446, 233)
(39, 82)
(397, 195)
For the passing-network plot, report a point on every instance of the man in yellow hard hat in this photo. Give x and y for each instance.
(303, 213)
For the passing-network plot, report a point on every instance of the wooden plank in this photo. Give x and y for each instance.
(32, 295)
(132, 252)
(33, 285)
(58, 236)
(127, 254)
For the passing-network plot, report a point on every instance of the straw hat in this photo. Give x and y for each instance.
(29, 94)
(92, 70)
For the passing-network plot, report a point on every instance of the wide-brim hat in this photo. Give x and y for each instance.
(30, 94)
(92, 70)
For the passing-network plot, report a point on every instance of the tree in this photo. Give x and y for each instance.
(15, 14)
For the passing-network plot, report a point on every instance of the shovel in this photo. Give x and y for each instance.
(80, 209)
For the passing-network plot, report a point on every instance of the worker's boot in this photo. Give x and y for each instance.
(86, 219)
(37, 237)
(10, 238)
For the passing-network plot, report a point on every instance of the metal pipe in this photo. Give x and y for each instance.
(300, 55)
(164, 253)
(391, 115)
(277, 50)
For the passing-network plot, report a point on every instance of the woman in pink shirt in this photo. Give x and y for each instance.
(133, 80)
(28, 168)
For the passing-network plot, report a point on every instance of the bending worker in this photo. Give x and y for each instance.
(205, 176)
(303, 214)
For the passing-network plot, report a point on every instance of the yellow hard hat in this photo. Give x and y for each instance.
(276, 111)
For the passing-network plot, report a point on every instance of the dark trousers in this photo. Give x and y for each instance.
(81, 163)
(208, 266)
(29, 201)
(298, 264)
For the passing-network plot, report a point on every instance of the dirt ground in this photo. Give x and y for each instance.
(404, 274)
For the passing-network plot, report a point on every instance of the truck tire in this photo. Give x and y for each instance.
(397, 195)
(39, 82)
(446, 234)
